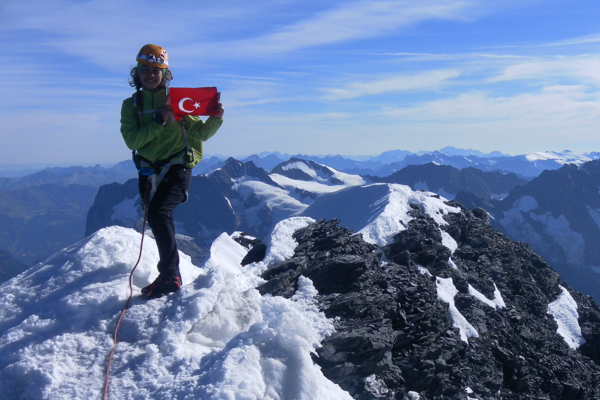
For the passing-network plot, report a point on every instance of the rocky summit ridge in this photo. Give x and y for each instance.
(421, 319)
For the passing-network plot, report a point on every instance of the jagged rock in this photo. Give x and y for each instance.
(394, 334)
(256, 248)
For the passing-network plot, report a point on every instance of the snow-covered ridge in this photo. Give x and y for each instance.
(560, 157)
(217, 338)
(378, 211)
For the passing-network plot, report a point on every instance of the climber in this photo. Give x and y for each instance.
(165, 151)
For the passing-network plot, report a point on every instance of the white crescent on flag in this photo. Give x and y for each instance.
(181, 105)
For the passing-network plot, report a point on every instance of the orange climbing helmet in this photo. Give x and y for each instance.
(154, 56)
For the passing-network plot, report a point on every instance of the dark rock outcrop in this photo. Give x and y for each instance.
(395, 335)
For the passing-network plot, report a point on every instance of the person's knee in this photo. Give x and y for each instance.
(159, 217)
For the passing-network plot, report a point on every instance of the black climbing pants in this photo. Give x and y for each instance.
(171, 192)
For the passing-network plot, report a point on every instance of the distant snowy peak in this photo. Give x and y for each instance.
(561, 157)
(307, 170)
(307, 179)
(234, 170)
(377, 211)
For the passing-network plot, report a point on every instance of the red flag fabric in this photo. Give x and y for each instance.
(194, 101)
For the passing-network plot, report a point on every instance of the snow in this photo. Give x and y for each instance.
(377, 211)
(564, 311)
(273, 197)
(376, 386)
(302, 167)
(449, 241)
(446, 292)
(498, 196)
(498, 301)
(321, 183)
(469, 391)
(281, 244)
(348, 179)
(322, 177)
(518, 227)
(452, 264)
(560, 231)
(217, 338)
(424, 271)
(309, 186)
(127, 211)
(560, 157)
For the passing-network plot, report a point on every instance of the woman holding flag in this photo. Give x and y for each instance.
(166, 148)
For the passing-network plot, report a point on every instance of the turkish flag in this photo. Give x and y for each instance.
(194, 101)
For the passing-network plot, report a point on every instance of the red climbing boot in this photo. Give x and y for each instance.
(161, 286)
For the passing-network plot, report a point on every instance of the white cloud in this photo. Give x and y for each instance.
(566, 103)
(348, 21)
(580, 68)
(576, 41)
(359, 20)
(424, 81)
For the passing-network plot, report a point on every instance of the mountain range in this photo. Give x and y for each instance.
(242, 196)
(64, 176)
(526, 166)
(236, 195)
(420, 299)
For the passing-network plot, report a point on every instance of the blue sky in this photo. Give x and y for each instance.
(311, 77)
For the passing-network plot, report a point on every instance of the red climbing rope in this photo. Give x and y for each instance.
(145, 208)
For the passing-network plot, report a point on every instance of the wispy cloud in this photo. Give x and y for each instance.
(404, 83)
(576, 41)
(569, 104)
(449, 57)
(349, 21)
(578, 68)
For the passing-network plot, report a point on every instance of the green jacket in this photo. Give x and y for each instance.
(155, 141)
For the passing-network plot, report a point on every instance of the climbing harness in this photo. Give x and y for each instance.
(156, 171)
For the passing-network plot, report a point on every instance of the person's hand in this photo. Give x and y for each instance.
(220, 111)
(166, 111)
